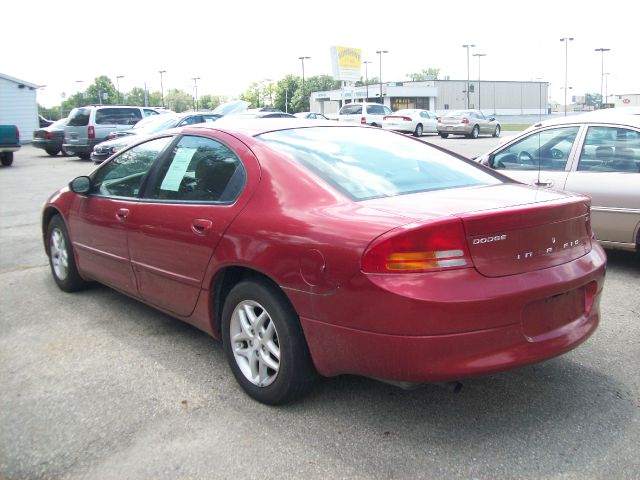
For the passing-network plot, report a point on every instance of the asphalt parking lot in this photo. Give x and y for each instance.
(96, 385)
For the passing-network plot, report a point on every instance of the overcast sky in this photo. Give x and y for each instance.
(228, 44)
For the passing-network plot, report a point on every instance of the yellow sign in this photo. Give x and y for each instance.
(349, 57)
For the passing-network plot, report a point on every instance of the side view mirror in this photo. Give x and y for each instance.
(80, 185)
(492, 119)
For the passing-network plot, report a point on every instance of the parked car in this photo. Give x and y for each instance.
(364, 113)
(51, 138)
(258, 114)
(411, 120)
(470, 123)
(90, 125)
(598, 155)
(9, 143)
(148, 126)
(310, 116)
(323, 248)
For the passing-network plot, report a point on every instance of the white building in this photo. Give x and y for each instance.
(492, 97)
(625, 100)
(18, 105)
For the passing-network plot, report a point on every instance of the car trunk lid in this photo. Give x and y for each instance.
(510, 228)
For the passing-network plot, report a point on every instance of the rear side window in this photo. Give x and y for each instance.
(79, 117)
(368, 163)
(118, 116)
(610, 149)
(375, 109)
(351, 109)
(199, 170)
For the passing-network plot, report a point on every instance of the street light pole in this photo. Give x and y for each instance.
(479, 55)
(118, 77)
(161, 86)
(302, 59)
(195, 86)
(606, 87)
(602, 50)
(566, 41)
(366, 77)
(468, 46)
(380, 52)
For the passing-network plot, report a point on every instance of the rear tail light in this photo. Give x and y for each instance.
(406, 119)
(439, 120)
(91, 132)
(49, 135)
(423, 248)
(386, 117)
(363, 120)
(465, 120)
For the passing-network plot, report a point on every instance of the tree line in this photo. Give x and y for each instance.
(286, 94)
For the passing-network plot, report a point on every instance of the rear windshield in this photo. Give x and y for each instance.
(351, 109)
(79, 117)
(118, 116)
(364, 163)
(458, 113)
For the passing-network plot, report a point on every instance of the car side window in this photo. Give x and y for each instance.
(123, 176)
(351, 109)
(148, 113)
(199, 169)
(192, 120)
(547, 150)
(610, 149)
(375, 110)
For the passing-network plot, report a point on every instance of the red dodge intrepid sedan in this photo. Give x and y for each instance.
(309, 248)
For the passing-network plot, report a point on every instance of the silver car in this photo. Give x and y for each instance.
(594, 154)
(470, 123)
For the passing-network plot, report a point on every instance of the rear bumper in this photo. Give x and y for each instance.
(455, 129)
(46, 143)
(525, 324)
(9, 148)
(410, 128)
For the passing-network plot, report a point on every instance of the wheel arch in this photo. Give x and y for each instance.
(228, 277)
(48, 213)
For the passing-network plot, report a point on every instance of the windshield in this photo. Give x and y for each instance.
(458, 113)
(234, 106)
(365, 163)
(156, 124)
(59, 123)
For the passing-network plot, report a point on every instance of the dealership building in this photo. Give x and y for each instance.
(440, 96)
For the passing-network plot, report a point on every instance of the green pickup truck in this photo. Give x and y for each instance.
(9, 143)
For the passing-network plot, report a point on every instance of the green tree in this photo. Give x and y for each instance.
(426, 74)
(284, 91)
(135, 96)
(102, 91)
(178, 100)
(370, 81)
(252, 95)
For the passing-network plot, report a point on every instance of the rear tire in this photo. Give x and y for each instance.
(6, 158)
(52, 151)
(264, 343)
(374, 125)
(475, 132)
(84, 156)
(418, 130)
(61, 259)
(444, 135)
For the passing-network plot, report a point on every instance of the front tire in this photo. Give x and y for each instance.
(496, 132)
(264, 343)
(418, 130)
(6, 158)
(61, 259)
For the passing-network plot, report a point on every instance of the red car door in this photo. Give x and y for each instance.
(198, 190)
(98, 222)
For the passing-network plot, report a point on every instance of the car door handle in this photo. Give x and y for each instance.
(122, 214)
(201, 226)
(548, 183)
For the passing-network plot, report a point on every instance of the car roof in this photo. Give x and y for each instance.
(613, 115)
(256, 126)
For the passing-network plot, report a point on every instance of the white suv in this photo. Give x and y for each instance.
(90, 125)
(364, 113)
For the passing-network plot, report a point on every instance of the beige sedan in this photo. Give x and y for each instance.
(470, 123)
(596, 155)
